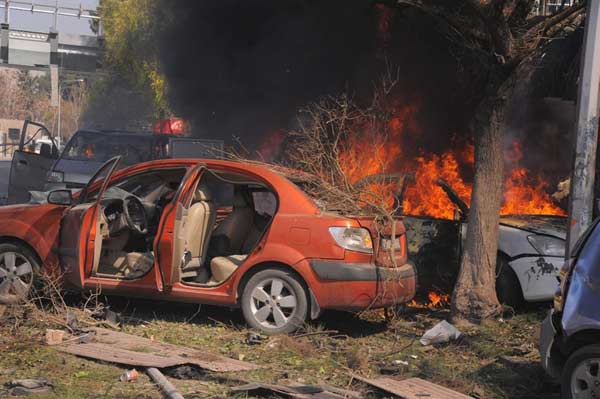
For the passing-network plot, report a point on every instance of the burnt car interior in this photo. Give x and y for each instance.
(228, 216)
(128, 222)
(213, 234)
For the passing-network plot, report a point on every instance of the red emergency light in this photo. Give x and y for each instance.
(170, 126)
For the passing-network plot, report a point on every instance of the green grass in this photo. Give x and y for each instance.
(494, 360)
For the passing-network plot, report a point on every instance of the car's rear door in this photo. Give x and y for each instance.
(29, 165)
(78, 226)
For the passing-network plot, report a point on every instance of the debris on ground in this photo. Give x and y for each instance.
(54, 337)
(254, 338)
(166, 387)
(131, 350)
(413, 388)
(440, 333)
(72, 321)
(186, 372)
(129, 375)
(296, 391)
(27, 386)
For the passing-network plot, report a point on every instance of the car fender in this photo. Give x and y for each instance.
(41, 241)
(275, 254)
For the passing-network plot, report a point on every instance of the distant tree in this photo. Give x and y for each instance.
(129, 28)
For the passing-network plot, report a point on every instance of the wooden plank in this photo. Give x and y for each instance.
(118, 347)
(413, 388)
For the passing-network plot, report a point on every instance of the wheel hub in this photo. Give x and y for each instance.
(585, 380)
(16, 275)
(273, 303)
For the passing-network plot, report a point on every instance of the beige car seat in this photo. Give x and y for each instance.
(236, 228)
(197, 230)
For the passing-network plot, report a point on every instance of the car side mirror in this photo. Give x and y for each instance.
(60, 197)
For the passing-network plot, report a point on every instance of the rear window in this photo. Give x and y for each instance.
(99, 147)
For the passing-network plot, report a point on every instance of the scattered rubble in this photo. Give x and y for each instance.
(54, 337)
(413, 388)
(254, 339)
(297, 391)
(27, 386)
(121, 348)
(129, 375)
(440, 333)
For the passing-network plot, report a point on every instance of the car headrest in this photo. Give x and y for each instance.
(202, 193)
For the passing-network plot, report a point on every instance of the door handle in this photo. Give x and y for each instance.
(22, 162)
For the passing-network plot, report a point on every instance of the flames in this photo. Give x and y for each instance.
(436, 301)
(367, 153)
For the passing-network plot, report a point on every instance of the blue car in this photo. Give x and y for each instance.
(570, 334)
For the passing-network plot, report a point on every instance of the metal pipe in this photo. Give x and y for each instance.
(165, 385)
(581, 198)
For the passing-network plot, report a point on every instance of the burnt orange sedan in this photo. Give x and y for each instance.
(205, 231)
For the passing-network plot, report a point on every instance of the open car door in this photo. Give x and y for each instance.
(170, 243)
(78, 226)
(31, 162)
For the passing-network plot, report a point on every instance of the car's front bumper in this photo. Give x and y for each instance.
(357, 286)
(550, 356)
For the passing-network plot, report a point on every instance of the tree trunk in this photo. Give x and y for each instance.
(474, 296)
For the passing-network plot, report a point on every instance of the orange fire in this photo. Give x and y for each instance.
(367, 154)
(525, 194)
(366, 151)
(436, 300)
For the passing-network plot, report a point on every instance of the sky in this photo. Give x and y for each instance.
(42, 22)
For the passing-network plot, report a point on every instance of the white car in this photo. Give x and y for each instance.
(530, 252)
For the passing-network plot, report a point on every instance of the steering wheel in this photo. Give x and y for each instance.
(135, 214)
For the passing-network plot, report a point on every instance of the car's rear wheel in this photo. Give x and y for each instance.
(508, 287)
(18, 270)
(581, 374)
(274, 301)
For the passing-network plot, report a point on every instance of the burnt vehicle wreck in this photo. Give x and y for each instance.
(530, 247)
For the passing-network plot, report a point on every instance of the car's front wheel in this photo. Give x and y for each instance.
(275, 301)
(581, 374)
(18, 268)
(508, 287)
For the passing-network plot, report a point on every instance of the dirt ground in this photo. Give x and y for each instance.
(495, 360)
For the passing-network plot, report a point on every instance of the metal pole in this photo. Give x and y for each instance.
(6, 11)
(56, 16)
(59, 101)
(581, 203)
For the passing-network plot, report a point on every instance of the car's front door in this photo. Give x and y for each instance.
(78, 229)
(169, 244)
(31, 162)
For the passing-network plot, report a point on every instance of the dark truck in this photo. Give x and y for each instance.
(42, 167)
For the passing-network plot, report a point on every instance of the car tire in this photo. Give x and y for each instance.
(508, 288)
(581, 373)
(19, 270)
(275, 301)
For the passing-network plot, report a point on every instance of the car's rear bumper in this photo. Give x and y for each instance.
(357, 286)
(550, 356)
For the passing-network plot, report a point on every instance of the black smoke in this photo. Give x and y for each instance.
(244, 69)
